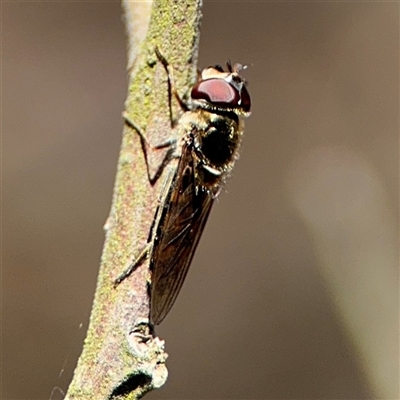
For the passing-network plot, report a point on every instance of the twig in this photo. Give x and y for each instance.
(121, 358)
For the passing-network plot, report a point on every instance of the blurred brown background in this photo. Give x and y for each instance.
(293, 293)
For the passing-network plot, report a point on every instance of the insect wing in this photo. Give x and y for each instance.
(181, 224)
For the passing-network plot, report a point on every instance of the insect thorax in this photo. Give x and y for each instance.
(215, 139)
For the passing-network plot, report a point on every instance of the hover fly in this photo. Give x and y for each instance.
(208, 136)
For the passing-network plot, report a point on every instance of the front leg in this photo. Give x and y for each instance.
(171, 86)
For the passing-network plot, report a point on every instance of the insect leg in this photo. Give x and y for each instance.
(159, 146)
(170, 143)
(146, 250)
(171, 85)
(144, 253)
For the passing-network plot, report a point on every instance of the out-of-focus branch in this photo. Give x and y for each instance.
(137, 17)
(119, 360)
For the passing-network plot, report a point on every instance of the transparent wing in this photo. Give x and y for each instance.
(181, 224)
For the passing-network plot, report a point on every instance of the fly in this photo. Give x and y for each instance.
(209, 134)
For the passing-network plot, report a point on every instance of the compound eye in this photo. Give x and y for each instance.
(218, 92)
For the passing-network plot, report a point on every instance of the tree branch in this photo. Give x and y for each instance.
(120, 359)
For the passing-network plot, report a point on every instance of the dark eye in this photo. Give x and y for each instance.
(217, 92)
